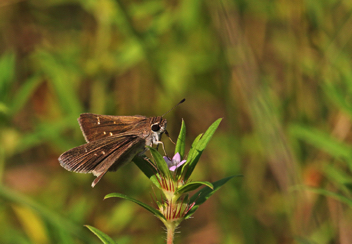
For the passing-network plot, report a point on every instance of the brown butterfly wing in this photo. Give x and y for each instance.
(96, 126)
(102, 155)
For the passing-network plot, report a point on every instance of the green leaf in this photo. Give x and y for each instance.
(7, 71)
(202, 195)
(160, 163)
(339, 176)
(191, 152)
(181, 140)
(63, 80)
(24, 93)
(198, 148)
(338, 96)
(59, 222)
(4, 108)
(101, 235)
(45, 131)
(333, 195)
(323, 141)
(147, 207)
(191, 186)
(147, 169)
(208, 134)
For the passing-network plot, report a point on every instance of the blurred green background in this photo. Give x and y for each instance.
(278, 72)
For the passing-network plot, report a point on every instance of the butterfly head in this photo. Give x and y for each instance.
(157, 127)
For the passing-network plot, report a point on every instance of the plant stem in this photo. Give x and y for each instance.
(170, 233)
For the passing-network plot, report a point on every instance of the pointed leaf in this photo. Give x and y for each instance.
(333, 195)
(322, 140)
(147, 207)
(193, 158)
(51, 217)
(337, 95)
(101, 235)
(208, 134)
(7, 71)
(191, 186)
(147, 169)
(181, 140)
(32, 223)
(24, 93)
(202, 195)
(191, 152)
(160, 163)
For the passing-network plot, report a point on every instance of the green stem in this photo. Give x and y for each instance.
(170, 232)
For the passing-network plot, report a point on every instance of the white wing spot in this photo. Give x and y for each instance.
(104, 132)
(95, 154)
(85, 149)
(103, 152)
(98, 120)
(110, 133)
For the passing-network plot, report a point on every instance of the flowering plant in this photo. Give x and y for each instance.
(172, 177)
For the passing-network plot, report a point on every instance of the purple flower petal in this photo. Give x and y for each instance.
(175, 162)
(173, 168)
(176, 158)
(182, 162)
(168, 161)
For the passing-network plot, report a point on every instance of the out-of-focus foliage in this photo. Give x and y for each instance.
(278, 72)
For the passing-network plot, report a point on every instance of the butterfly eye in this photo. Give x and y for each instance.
(155, 127)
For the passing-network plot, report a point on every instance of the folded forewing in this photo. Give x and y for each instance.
(98, 156)
(96, 126)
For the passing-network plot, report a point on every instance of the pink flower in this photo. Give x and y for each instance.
(175, 163)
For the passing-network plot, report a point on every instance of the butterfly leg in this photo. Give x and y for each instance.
(162, 144)
(150, 162)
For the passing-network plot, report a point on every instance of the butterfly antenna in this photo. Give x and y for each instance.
(174, 107)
